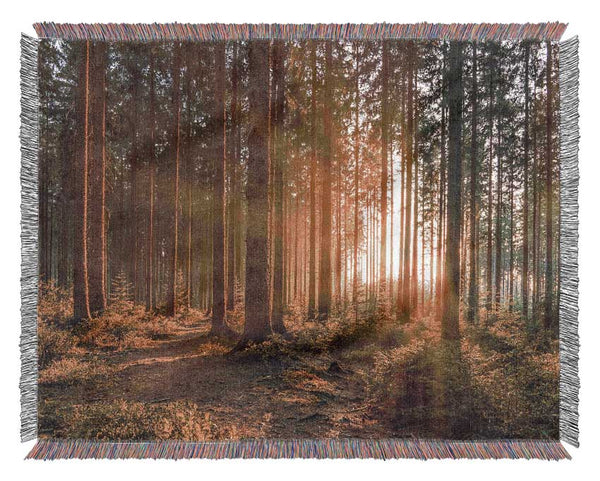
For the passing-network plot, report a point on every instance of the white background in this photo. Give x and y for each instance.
(18, 16)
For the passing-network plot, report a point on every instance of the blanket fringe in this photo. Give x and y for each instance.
(347, 31)
(29, 235)
(304, 448)
(569, 185)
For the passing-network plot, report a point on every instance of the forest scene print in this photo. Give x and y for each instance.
(298, 239)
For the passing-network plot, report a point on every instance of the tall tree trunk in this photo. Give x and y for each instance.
(296, 252)
(401, 260)
(422, 284)
(189, 174)
(356, 176)
(95, 256)
(384, 169)
(490, 199)
(325, 245)
(67, 164)
(338, 229)
(511, 257)
(414, 275)
(150, 300)
(536, 214)
(498, 231)
(442, 196)
(232, 238)
(175, 143)
(391, 268)
(103, 219)
(404, 313)
(313, 168)
(549, 281)
(219, 159)
(450, 330)
(44, 220)
(278, 63)
(81, 304)
(257, 327)
(474, 231)
(89, 259)
(525, 277)
(133, 221)
(431, 256)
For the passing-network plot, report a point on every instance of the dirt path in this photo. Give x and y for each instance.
(306, 396)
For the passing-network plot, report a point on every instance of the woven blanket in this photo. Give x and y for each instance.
(326, 241)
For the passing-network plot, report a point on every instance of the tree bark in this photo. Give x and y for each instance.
(150, 300)
(325, 245)
(525, 277)
(498, 229)
(278, 160)
(450, 329)
(442, 195)
(415, 274)
(257, 327)
(219, 159)
(232, 238)
(96, 172)
(384, 169)
(473, 297)
(313, 168)
(175, 145)
(81, 304)
(549, 281)
(89, 262)
(404, 313)
(356, 152)
(490, 199)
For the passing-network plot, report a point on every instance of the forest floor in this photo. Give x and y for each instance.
(135, 376)
(254, 394)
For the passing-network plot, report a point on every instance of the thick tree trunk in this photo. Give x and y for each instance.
(525, 276)
(473, 297)
(356, 177)
(89, 253)
(549, 281)
(391, 267)
(175, 145)
(400, 285)
(96, 172)
(313, 168)
(189, 180)
(511, 255)
(81, 305)
(338, 229)
(219, 159)
(67, 163)
(257, 327)
(536, 216)
(277, 136)
(415, 275)
(450, 330)
(150, 300)
(325, 245)
(404, 313)
(490, 200)
(442, 198)
(384, 169)
(232, 238)
(498, 229)
(136, 154)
